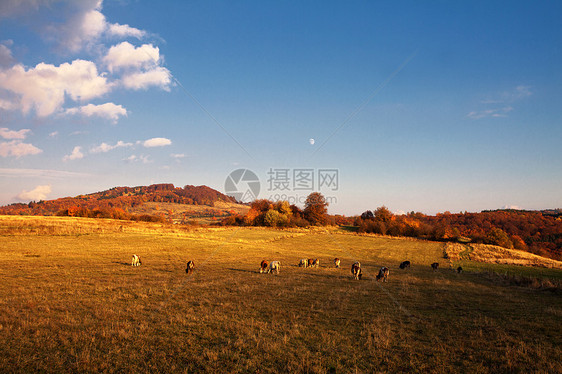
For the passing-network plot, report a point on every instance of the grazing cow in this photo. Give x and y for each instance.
(459, 269)
(189, 268)
(435, 265)
(404, 264)
(383, 274)
(337, 262)
(136, 261)
(263, 266)
(356, 270)
(303, 263)
(274, 267)
(315, 263)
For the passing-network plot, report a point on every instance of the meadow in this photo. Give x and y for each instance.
(71, 302)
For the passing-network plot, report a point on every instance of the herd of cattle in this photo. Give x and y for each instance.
(273, 267)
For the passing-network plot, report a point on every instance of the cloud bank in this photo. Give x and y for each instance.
(37, 194)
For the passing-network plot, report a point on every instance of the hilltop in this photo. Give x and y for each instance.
(157, 201)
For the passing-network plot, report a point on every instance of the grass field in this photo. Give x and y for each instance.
(71, 302)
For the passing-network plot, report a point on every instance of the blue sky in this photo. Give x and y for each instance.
(431, 107)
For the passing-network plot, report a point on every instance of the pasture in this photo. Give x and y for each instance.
(70, 301)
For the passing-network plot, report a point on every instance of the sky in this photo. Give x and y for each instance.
(418, 106)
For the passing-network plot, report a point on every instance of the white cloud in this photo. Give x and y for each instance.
(520, 92)
(7, 105)
(514, 207)
(104, 147)
(17, 149)
(156, 142)
(53, 134)
(177, 155)
(134, 158)
(75, 155)
(157, 76)
(501, 104)
(494, 113)
(85, 24)
(44, 87)
(10, 134)
(124, 31)
(108, 111)
(125, 55)
(6, 58)
(37, 194)
(10, 8)
(39, 173)
(82, 25)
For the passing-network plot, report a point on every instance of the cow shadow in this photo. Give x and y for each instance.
(244, 270)
(121, 263)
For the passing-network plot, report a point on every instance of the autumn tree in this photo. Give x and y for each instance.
(499, 237)
(316, 209)
(382, 214)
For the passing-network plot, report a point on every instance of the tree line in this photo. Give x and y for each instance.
(532, 231)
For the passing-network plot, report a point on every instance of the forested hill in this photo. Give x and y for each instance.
(121, 199)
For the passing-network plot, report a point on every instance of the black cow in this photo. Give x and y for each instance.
(404, 264)
(435, 265)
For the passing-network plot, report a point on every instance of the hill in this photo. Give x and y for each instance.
(72, 302)
(180, 204)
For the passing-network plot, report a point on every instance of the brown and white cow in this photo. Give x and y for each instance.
(435, 266)
(356, 270)
(303, 263)
(315, 263)
(263, 266)
(383, 274)
(189, 268)
(136, 261)
(337, 262)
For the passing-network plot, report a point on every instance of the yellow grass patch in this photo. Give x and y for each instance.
(497, 255)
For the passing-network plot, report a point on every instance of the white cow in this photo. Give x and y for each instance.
(274, 266)
(136, 261)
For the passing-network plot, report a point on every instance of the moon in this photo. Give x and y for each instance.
(311, 141)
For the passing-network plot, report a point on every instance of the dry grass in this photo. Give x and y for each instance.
(202, 214)
(71, 302)
(497, 255)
